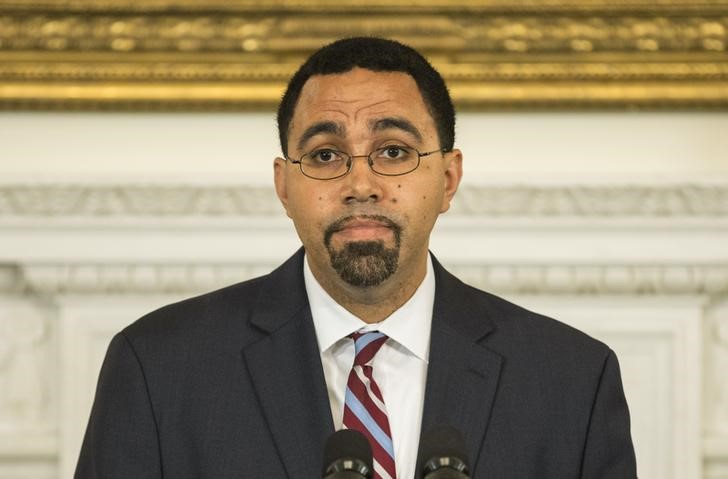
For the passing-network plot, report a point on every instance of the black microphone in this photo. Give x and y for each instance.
(442, 454)
(347, 455)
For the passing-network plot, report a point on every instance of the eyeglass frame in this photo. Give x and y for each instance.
(370, 162)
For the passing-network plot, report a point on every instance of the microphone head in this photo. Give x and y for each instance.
(348, 450)
(442, 447)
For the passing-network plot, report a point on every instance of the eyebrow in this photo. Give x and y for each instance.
(317, 128)
(382, 124)
(390, 123)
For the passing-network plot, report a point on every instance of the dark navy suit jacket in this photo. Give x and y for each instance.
(230, 385)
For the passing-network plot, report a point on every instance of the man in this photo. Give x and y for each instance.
(249, 381)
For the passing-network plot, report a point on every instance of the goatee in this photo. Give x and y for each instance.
(364, 263)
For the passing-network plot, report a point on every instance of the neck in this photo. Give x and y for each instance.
(374, 303)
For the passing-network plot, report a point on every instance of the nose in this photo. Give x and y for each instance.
(361, 184)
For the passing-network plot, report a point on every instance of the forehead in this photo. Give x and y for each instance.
(358, 96)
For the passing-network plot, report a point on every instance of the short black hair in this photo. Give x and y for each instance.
(379, 55)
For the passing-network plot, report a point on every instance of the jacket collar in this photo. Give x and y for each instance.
(286, 370)
(463, 374)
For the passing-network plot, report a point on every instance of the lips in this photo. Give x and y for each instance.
(362, 223)
(362, 228)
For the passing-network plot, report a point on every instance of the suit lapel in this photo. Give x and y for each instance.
(463, 374)
(285, 367)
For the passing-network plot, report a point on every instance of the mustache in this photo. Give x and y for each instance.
(341, 223)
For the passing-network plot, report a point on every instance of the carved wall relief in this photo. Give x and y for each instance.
(23, 392)
(716, 382)
(27, 366)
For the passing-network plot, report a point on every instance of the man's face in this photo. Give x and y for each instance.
(364, 228)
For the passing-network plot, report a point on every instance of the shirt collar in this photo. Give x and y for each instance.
(409, 325)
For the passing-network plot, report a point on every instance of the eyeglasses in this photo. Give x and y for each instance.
(390, 160)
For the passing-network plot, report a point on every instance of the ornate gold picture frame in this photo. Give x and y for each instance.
(238, 54)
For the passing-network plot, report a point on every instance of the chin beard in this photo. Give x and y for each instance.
(364, 263)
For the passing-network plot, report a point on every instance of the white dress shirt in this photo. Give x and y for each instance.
(399, 368)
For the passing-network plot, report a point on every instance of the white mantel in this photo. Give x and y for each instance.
(639, 260)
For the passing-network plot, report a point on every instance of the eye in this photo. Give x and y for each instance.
(324, 155)
(395, 152)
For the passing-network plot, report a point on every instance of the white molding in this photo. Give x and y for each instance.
(555, 279)
(715, 447)
(658, 341)
(28, 387)
(103, 254)
(86, 327)
(52, 200)
(528, 224)
(635, 200)
(29, 469)
(715, 451)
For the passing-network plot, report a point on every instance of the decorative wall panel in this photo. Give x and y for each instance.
(643, 267)
(233, 55)
(28, 373)
(658, 340)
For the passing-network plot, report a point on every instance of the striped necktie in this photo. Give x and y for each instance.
(364, 409)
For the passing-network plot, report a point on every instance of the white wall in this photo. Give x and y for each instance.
(615, 222)
(240, 147)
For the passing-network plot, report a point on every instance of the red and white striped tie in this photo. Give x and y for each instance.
(364, 409)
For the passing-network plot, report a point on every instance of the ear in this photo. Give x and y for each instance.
(279, 179)
(452, 177)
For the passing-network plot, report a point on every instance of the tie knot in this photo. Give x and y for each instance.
(366, 346)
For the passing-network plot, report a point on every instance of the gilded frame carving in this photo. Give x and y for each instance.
(238, 54)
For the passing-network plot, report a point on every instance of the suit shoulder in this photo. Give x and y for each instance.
(510, 324)
(212, 309)
(535, 332)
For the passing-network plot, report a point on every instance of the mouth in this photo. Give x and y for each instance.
(362, 228)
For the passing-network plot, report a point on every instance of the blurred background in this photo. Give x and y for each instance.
(136, 149)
